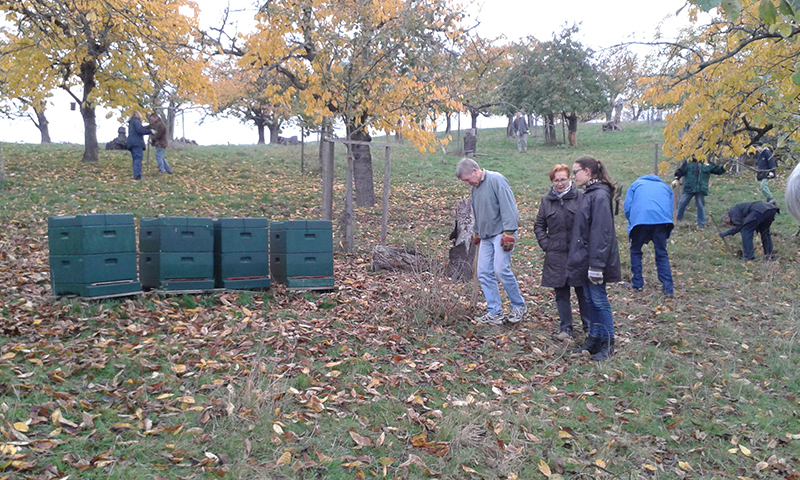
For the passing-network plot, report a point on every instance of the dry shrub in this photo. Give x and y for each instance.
(432, 296)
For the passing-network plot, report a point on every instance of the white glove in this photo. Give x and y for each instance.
(675, 183)
(595, 276)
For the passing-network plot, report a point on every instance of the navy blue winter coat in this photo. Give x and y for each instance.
(136, 133)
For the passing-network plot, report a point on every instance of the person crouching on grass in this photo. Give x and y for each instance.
(593, 258)
(495, 232)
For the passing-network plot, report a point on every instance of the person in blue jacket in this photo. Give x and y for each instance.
(136, 133)
(648, 208)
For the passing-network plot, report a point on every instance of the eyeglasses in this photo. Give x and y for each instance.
(560, 180)
(575, 172)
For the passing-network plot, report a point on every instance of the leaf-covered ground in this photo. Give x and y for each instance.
(384, 377)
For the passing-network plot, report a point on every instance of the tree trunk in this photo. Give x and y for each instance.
(91, 150)
(274, 130)
(325, 130)
(618, 111)
(475, 115)
(449, 124)
(510, 127)
(550, 130)
(261, 136)
(172, 113)
(43, 125)
(362, 169)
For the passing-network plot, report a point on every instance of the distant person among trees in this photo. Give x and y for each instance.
(748, 218)
(648, 208)
(521, 132)
(766, 169)
(572, 129)
(593, 258)
(159, 140)
(695, 176)
(495, 233)
(136, 133)
(553, 229)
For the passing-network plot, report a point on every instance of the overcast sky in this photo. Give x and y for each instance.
(602, 24)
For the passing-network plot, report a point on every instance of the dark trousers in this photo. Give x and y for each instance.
(565, 308)
(760, 225)
(137, 154)
(642, 235)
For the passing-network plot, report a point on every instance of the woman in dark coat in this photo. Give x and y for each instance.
(593, 257)
(136, 133)
(553, 229)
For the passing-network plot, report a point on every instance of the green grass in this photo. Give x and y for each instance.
(256, 385)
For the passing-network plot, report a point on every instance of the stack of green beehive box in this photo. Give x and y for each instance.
(176, 253)
(93, 255)
(301, 253)
(241, 253)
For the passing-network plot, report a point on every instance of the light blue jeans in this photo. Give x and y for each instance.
(494, 264)
(163, 166)
(699, 201)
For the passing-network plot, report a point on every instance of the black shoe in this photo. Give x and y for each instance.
(606, 349)
(592, 345)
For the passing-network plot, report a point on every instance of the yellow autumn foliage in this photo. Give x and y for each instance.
(726, 87)
(368, 62)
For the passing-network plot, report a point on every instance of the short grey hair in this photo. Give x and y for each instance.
(465, 166)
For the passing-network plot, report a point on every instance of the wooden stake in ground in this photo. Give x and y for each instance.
(475, 284)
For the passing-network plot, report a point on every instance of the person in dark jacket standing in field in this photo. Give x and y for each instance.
(648, 208)
(159, 140)
(495, 233)
(553, 229)
(748, 218)
(136, 133)
(695, 176)
(521, 132)
(593, 258)
(766, 170)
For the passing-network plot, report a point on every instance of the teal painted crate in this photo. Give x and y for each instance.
(121, 288)
(307, 282)
(286, 265)
(241, 270)
(91, 269)
(301, 241)
(233, 235)
(176, 234)
(177, 270)
(91, 234)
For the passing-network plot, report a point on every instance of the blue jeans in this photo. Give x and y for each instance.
(163, 166)
(699, 201)
(760, 225)
(137, 153)
(601, 320)
(494, 264)
(642, 235)
(565, 309)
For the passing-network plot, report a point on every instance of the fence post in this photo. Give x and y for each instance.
(348, 206)
(387, 173)
(655, 161)
(327, 179)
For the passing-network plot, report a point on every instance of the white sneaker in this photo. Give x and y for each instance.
(491, 319)
(517, 314)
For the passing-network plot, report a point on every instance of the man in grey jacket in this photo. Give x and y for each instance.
(521, 131)
(495, 232)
